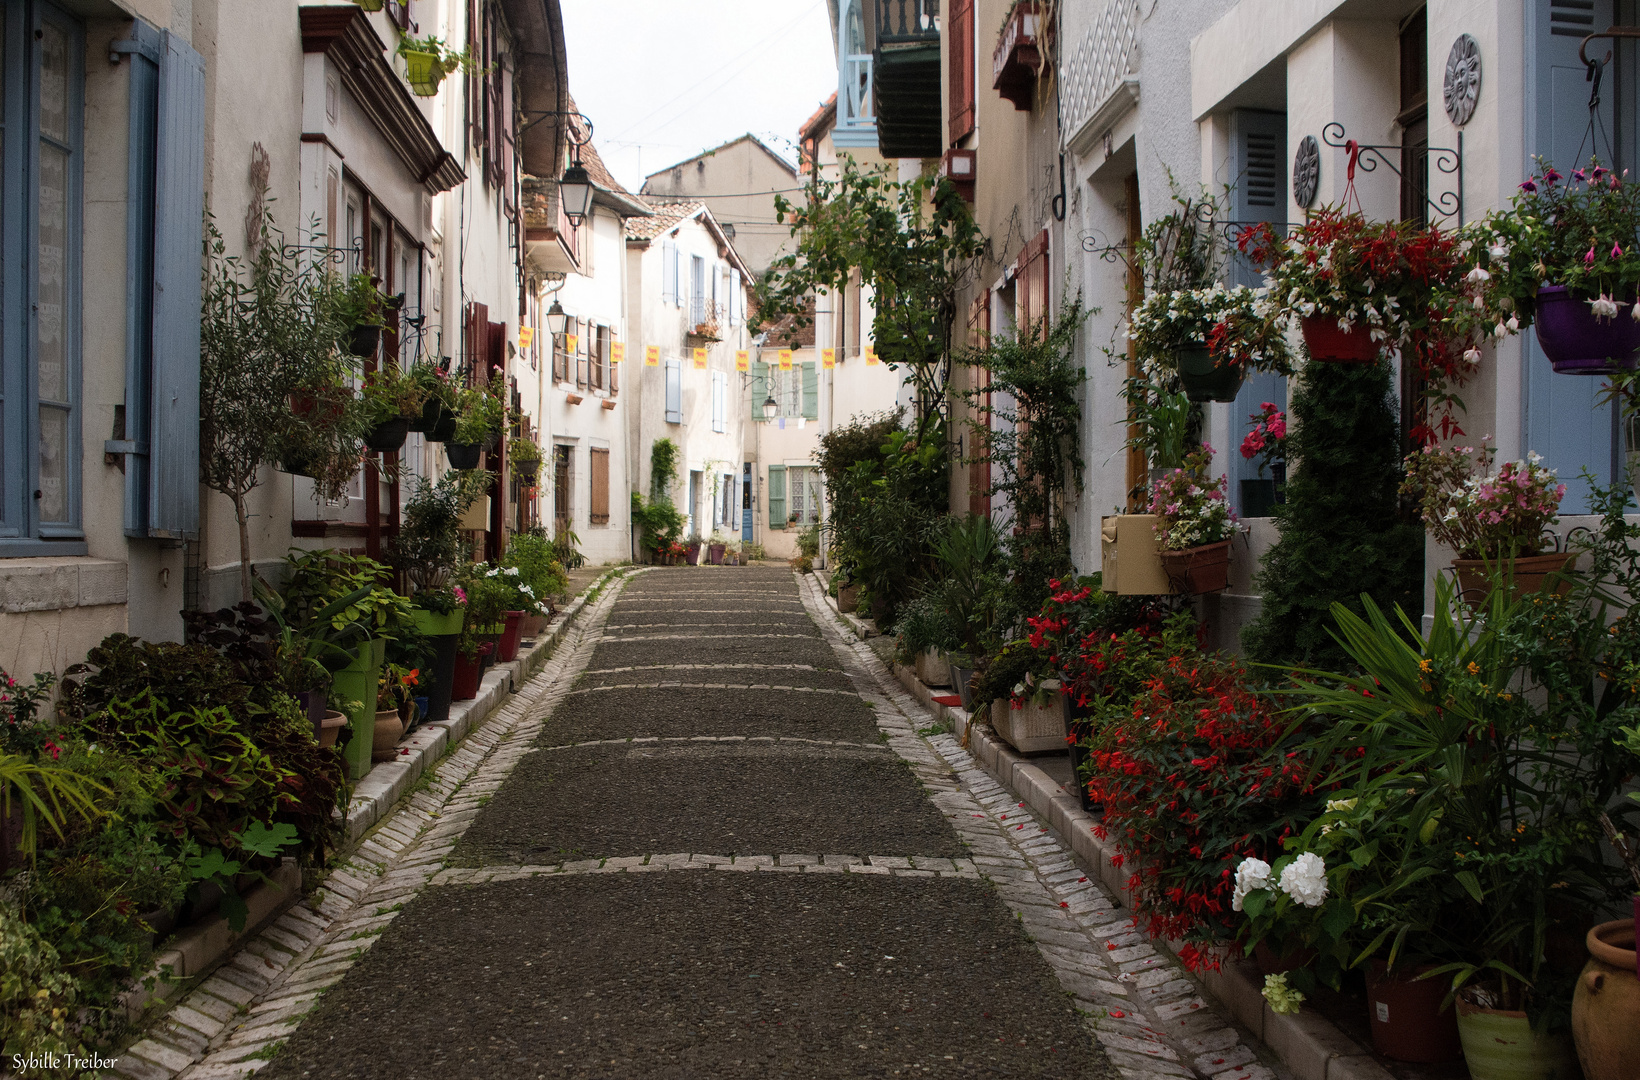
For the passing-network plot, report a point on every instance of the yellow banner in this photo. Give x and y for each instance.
(871, 355)
(652, 356)
(700, 359)
(526, 336)
(617, 352)
(828, 358)
(785, 359)
(571, 341)
(743, 360)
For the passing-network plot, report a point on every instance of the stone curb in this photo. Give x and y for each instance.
(1307, 1043)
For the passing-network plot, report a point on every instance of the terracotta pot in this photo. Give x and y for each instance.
(1500, 1044)
(511, 635)
(691, 554)
(1204, 379)
(389, 729)
(1576, 342)
(714, 553)
(1408, 1023)
(1327, 343)
(532, 625)
(331, 726)
(464, 679)
(1530, 573)
(1200, 569)
(1606, 1005)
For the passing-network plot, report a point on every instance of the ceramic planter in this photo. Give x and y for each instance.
(1327, 343)
(389, 728)
(1606, 1005)
(1031, 728)
(932, 668)
(1501, 1045)
(691, 554)
(1205, 379)
(364, 340)
(1578, 343)
(532, 626)
(330, 726)
(468, 673)
(1198, 570)
(1528, 573)
(1404, 1011)
(444, 630)
(463, 455)
(510, 636)
(389, 436)
(714, 553)
(357, 683)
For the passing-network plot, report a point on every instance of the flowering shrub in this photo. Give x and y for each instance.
(1104, 647)
(1190, 511)
(1480, 514)
(1268, 438)
(1393, 279)
(1237, 325)
(1198, 775)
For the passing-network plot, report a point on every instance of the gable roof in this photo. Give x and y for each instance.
(668, 216)
(759, 143)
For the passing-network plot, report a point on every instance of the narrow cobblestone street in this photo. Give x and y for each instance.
(562, 900)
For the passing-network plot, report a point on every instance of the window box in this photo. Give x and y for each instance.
(1018, 58)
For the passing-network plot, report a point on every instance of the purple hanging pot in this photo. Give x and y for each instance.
(1578, 343)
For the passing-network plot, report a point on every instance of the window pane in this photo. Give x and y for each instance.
(52, 290)
(53, 464)
(53, 83)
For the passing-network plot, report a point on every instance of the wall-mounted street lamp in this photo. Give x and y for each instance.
(575, 186)
(770, 407)
(557, 319)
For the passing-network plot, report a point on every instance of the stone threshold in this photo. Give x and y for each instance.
(1307, 1043)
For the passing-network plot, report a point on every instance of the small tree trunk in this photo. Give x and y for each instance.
(243, 517)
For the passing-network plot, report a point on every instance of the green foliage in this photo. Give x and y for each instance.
(663, 469)
(428, 546)
(566, 549)
(42, 793)
(359, 302)
(37, 997)
(914, 243)
(1343, 531)
(925, 624)
(210, 866)
(661, 523)
(481, 415)
(970, 583)
(343, 592)
(1026, 425)
(536, 559)
(392, 394)
(808, 541)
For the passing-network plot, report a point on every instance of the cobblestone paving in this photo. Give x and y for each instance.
(878, 962)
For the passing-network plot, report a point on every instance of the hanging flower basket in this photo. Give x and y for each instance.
(463, 455)
(1327, 343)
(424, 71)
(1208, 379)
(364, 339)
(1579, 342)
(388, 436)
(1198, 570)
(445, 429)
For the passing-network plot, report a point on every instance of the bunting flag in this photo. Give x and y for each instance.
(871, 355)
(526, 337)
(743, 360)
(570, 342)
(652, 356)
(785, 359)
(700, 359)
(617, 352)
(828, 358)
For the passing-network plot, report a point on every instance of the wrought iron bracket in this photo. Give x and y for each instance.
(1370, 155)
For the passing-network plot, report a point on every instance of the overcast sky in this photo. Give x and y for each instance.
(662, 80)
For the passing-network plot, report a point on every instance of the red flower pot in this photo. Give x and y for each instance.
(1408, 1023)
(1328, 343)
(509, 636)
(464, 682)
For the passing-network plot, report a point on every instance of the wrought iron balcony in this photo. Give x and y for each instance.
(906, 78)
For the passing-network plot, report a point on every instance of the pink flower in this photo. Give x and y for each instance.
(1528, 187)
(1277, 427)
(1252, 444)
(1617, 252)
(1588, 257)
(1550, 176)
(461, 595)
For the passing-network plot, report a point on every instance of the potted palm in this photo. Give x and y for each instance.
(1496, 522)
(1194, 524)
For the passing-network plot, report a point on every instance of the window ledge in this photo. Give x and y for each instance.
(57, 582)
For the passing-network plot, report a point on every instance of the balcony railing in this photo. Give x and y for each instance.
(906, 70)
(1104, 57)
(907, 22)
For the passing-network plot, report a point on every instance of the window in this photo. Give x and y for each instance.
(723, 512)
(561, 488)
(40, 185)
(797, 391)
(720, 393)
(802, 494)
(735, 302)
(598, 512)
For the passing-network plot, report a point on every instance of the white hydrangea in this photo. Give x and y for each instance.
(1305, 880)
(1251, 874)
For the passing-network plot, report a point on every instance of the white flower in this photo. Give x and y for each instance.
(1305, 880)
(1335, 806)
(511, 571)
(1471, 355)
(1251, 874)
(1514, 324)
(492, 572)
(1634, 313)
(1479, 303)
(1476, 276)
(526, 590)
(1498, 250)
(1603, 307)
(1499, 330)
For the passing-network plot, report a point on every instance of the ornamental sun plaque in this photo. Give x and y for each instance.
(1306, 171)
(1463, 79)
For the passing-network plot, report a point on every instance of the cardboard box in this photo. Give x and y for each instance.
(477, 516)
(1130, 558)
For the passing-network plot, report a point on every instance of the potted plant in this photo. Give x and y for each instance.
(479, 422)
(1494, 521)
(427, 60)
(437, 419)
(1017, 57)
(541, 577)
(324, 439)
(524, 458)
(691, 550)
(1267, 441)
(716, 546)
(391, 401)
(1208, 338)
(1194, 524)
(926, 634)
(1576, 233)
(363, 308)
(1023, 709)
(394, 689)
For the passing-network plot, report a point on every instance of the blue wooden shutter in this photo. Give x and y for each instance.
(1563, 420)
(179, 210)
(777, 496)
(669, 272)
(1258, 159)
(145, 49)
(760, 388)
(674, 391)
(811, 391)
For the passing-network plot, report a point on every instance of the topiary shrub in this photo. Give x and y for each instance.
(1342, 529)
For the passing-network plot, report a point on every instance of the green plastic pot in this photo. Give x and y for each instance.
(357, 683)
(1205, 380)
(423, 72)
(434, 624)
(1500, 1045)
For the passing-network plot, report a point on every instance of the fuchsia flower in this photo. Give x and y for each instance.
(1528, 187)
(1550, 176)
(1617, 251)
(1588, 256)
(461, 595)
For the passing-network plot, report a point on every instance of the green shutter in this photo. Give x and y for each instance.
(811, 391)
(760, 388)
(777, 496)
